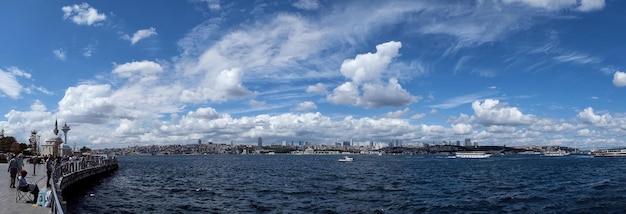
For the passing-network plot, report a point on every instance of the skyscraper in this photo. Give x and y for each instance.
(260, 144)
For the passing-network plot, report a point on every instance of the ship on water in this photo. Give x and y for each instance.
(471, 154)
(610, 153)
(557, 153)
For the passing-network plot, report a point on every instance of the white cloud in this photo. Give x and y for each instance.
(307, 4)
(82, 14)
(305, 106)
(256, 103)
(88, 51)
(462, 128)
(392, 94)
(580, 5)
(211, 4)
(59, 54)
(227, 84)
(365, 71)
(578, 58)
(463, 99)
(491, 112)
(418, 116)
(141, 34)
(590, 5)
(88, 104)
(141, 70)
(9, 84)
(369, 66)
(319, 88)
(588, 116)
(345, 94)
(204, 113)
(396, 114)
(619, 79)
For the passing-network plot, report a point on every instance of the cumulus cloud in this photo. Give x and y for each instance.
(88, 104)
(462, 128)
(392, 94)
(369, 66)
(141, 70)
(588, 116)
(140, 34)
(345, 94)
(319, 88)
(82, 14)
(491, 112)
(9, 84)
(59, 54)
(203, 113)
(227, 84)
(619, 79)
(365, 72)
(396, 114)
(305, 106)
(307, 4)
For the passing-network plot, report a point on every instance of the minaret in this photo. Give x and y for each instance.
(56, 129)
(65, 129)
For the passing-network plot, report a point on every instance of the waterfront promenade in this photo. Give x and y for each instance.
(7, 194)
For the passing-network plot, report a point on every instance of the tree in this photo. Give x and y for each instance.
(85, 149)
(9, 144)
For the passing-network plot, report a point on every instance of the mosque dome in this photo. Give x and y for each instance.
(55, 139)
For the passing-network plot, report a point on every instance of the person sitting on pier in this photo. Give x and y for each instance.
(24, 186)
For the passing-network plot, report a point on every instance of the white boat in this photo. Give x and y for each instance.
(557, 153)
(472, 154)
(346, 159)
(611, 153)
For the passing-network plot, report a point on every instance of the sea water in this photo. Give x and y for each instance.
(369, 184)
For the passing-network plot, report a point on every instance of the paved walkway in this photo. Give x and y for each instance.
(7, 194)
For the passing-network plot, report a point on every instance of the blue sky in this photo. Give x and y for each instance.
(123, 73)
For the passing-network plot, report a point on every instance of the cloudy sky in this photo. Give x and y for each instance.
(123, 73)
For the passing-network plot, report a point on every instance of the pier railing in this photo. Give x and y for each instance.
(68, 172)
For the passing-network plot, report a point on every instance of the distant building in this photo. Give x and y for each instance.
(468, 142)
(260, 144)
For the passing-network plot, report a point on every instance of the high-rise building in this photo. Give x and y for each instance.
(468, 142)
(260, 144)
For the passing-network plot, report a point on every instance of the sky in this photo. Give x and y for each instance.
(500, 72)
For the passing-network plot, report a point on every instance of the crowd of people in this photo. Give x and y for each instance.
(16, 165)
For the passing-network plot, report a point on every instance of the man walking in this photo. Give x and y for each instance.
(13, 165)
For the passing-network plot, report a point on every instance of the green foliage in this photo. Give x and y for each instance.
(85, 149)
(9, 144)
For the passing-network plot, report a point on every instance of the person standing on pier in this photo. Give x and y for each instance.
(20, 162)
(49, 169)
(12, 170)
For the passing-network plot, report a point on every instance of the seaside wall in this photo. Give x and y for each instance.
(68, 173)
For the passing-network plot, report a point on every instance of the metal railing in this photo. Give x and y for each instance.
(67, 168)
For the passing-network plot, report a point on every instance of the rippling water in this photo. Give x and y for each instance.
(370, 184)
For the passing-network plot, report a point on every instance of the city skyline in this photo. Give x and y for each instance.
(123, 73)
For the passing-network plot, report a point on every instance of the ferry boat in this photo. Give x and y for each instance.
(557, 153)
(472, 154)
(611, 153)
(346, 159)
